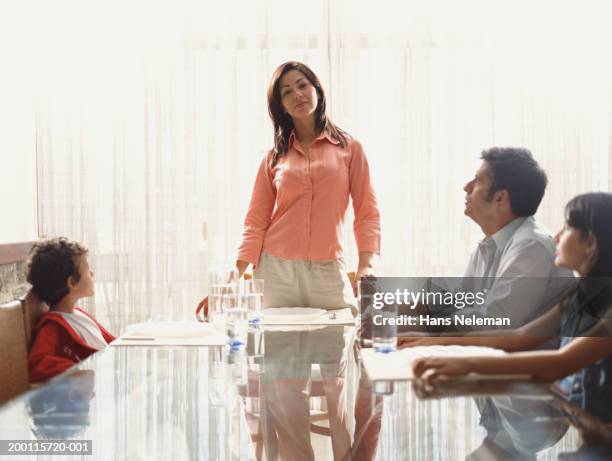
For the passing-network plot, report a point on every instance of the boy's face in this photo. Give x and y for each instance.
(84, 288)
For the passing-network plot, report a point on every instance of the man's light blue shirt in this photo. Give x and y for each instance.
(522, 280)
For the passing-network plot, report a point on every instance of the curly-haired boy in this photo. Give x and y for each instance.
(59, 273)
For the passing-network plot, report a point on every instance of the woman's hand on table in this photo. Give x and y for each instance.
(234, 275)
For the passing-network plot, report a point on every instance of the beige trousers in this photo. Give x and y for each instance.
(301, 283)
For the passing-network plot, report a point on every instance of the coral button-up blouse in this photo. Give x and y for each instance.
(297, 208)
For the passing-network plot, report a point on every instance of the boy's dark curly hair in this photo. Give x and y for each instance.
(50, 264)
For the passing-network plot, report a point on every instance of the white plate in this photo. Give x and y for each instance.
(293, 313)
(168, 329)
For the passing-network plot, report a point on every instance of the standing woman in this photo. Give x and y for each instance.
(294, 225)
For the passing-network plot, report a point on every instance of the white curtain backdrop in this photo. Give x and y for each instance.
(151, 119)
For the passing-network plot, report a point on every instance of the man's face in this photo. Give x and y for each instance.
(479, 203)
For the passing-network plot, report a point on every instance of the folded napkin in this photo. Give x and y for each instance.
(169, 333)
(295, 327)
(398, 365)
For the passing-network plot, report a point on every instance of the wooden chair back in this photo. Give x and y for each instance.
(13, 352)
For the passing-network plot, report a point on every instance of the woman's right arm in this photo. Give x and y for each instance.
(258, 218)
(256, 224)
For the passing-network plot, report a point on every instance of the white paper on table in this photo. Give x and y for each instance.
(283, 327)
(208, 340)
(171, 333)
(397, 366)
(327, 317)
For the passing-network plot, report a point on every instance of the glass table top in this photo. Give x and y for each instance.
(296, 394)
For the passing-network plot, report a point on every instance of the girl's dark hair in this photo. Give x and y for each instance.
(51, 262)
(592, 214)
(283, 123)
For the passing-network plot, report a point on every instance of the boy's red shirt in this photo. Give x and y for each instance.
(58, 347)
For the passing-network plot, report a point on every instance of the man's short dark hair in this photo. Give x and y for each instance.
(51, 262)
(514, 169)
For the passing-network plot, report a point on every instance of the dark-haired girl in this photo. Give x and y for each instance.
(293, 229)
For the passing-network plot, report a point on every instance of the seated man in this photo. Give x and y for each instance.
(514, 263)
(59, 273)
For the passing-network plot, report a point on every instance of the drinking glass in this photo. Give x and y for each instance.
(216, 314)
(253, 292)
(235, 319)
(384, 329)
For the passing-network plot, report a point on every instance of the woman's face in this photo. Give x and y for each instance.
(573, 250)
(298, 95)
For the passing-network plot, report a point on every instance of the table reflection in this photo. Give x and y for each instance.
(62, 411)
(293, 393)
(421, 420)
(139, 403)
(300, 365)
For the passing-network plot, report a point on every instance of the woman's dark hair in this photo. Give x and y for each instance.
(50, 264)
(514, 169)
(592, 214)
(283, 123)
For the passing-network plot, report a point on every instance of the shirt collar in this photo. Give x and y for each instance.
(503, 236)
(323, 135)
